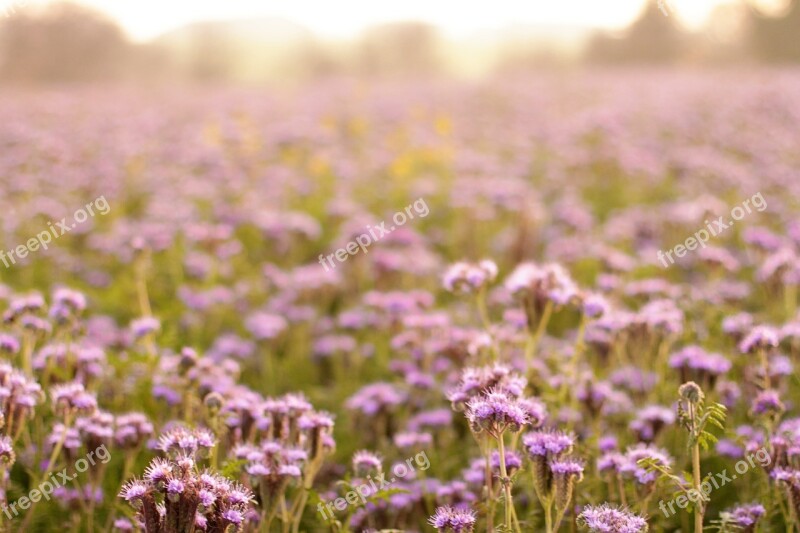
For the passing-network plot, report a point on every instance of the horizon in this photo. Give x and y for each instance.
(146, 20)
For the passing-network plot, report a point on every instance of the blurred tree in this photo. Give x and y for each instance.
(776, 39)
(653, 38)
(723, 40)
(63, 42)
(314, 61)
(399, 49)
(211, 54)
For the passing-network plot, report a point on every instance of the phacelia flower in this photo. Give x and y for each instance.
(453, 520)
(760, 338)
(607, 519)
(468, 277)
(495, 412)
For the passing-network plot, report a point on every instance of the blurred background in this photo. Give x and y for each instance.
(256, 42)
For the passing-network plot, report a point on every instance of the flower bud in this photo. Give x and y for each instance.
(691, 392)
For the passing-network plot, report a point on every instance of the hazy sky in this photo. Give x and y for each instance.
(144, 19)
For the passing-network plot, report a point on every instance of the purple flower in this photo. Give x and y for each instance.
(744, 517)
(412, 440)
(548, 443)
(435, 418)
(565, 474)
(567, 468)
(608, 519)
(9, 344)
(768, 402)
(133, 490)
(158, 471)
(636, 453)
(595, 305)
(513, 462)
(206, 497)
(496, 411)
(123, 524)
(542, 283)
(468, 278)
(477, 381)
(7, 455)
(760, 337)
(233, 516)
(650, 420)
(737, 325)
(695, 363)
(72, 397)
(141, 327)
(187, 442)
(175, 486)
(456, 520)
(374, 398)
(365, 461)
(264, 326)
(611, 461)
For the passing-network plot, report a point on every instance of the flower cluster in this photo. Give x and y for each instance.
(174, 496)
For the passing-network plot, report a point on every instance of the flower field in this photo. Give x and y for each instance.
(566, 303)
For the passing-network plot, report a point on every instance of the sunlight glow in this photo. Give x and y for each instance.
(145, 19)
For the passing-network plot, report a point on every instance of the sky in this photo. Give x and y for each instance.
(340, 19)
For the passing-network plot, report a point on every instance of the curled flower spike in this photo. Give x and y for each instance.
(565, 475)
(691, 392)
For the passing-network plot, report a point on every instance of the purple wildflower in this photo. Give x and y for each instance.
(456, 520)
(607, 519)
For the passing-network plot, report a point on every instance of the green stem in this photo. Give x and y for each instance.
(573, 369)
(489, 492)
(487, 323)
(762, 355)
(141, 287)
(28, 341)
(698, 511)
(506, 481)
(51, 461)
(537, 335)
(548, 516)
(621, 487)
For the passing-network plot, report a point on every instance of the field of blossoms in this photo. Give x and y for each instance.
(216, 347)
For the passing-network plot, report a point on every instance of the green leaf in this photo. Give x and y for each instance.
(232, 468)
